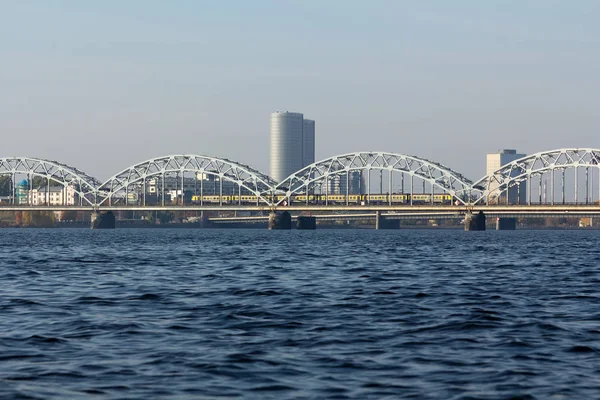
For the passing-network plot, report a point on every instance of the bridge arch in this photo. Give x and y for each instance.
(52, 172)
(155, 177)
(517, 181)
(340, 168)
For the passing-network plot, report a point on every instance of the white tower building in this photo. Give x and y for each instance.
(292, 143)
(308, 132)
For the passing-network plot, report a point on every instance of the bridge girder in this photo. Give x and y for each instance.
(435, 174)
(137, 175)
(522, 170)
(54, 172)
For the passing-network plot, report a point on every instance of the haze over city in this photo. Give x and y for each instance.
(103, 85)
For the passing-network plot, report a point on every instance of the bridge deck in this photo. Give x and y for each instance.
(367, 211)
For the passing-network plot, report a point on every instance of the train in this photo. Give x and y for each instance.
(332, 199)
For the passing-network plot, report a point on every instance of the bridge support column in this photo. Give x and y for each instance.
(105, 220)
(306, 223)
(280, 220)
(506, 224)
(475, 222)
(382, 223)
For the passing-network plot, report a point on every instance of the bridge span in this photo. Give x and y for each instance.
(563, 210)
(551, 183)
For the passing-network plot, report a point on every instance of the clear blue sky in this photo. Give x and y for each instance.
(104, 84)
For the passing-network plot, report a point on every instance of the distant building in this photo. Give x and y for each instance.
(53, 196)
(494, 161)
(207, 184)
(357, 183)
(308, 142)
(154, 185)
(292, 144)
(22, 191)
(336, 184)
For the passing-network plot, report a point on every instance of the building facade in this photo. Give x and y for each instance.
(516, 194)
(22, 192)
(55, 196)
(201, 183)
(308, 142)
(292, 145)
(336, 184)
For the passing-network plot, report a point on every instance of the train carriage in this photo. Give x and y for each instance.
(333, 199)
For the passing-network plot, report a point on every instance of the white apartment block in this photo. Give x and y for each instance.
(56, 196)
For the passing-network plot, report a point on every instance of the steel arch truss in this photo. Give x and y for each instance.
(523, 171)
(435, 174)
(54, 173)
(136, 178)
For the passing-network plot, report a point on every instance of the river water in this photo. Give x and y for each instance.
(361, 314)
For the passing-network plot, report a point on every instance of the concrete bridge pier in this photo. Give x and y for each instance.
(383, 223)
(280, 220)
(306, 223)
(506, 224)
(105, 220)
(475, 222)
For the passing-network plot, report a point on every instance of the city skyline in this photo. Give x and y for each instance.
(444, 82)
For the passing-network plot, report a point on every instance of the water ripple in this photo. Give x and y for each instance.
(327, 314)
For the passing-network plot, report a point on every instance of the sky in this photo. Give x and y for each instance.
(102, 85)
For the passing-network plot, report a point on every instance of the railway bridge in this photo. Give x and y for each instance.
(381, 184)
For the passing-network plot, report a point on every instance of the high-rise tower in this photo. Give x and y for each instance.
(308, 132)
(292, 143)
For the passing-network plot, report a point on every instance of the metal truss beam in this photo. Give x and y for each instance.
(242, 179)
(53, 172)
(137, 177)
(524, 171)
(340, 167)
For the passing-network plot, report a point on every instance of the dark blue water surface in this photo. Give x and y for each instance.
(142, 313)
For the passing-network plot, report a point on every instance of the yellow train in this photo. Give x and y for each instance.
(330, 199)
